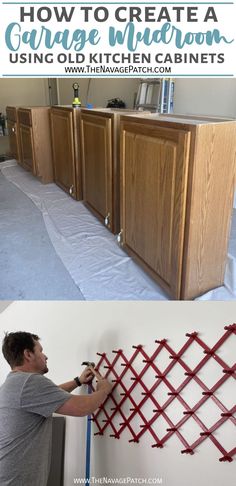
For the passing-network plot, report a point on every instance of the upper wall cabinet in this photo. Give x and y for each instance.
(35, 141)
(177, 182)
(13, 132)
(66, 149)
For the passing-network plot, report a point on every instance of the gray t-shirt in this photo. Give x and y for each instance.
(27, 402)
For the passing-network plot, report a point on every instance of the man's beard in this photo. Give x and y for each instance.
(45, 370)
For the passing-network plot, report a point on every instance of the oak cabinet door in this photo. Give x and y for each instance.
(97, 165)
(63, 150)
(153, 199)
(13, 139)
(27, 148)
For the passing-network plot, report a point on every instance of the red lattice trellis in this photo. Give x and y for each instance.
(116, 402)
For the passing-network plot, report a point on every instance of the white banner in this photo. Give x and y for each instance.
(118, 39)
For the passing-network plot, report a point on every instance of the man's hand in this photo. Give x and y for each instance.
(102, 383)
(86, 376)
(81, 405)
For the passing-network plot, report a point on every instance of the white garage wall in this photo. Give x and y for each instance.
(99, 91)
(4, 304)
(24, 92)
(192, 96)
(205, 96)
(73, 332)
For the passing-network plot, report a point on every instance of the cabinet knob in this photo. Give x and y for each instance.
(71, 190)
(107, 220)
(120, 238)
(13, 130)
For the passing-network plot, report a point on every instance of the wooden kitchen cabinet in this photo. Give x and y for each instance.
(177, 184)
(35, 141)
(66, 149)
(100, 153)
(13, 132)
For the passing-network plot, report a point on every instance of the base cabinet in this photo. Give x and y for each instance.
(35, 142)
(177, 180)
(66, 149)
(13, 132)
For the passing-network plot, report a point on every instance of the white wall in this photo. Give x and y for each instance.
(99, 91)
(24, 92)
(4, 304)
(72, 332)
(205, 96)
(192, 96)
(199, 96)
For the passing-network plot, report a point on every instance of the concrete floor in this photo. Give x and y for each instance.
(30, 268)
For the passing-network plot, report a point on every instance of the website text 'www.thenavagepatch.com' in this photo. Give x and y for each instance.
(102, 481)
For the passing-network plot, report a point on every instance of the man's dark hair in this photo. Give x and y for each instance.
(14, 344)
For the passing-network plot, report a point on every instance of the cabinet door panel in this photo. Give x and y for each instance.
(13, 139)
(11, 113)
(97, 164)
(154, 173)
(27, 148)
(25, 117)
(63, 150)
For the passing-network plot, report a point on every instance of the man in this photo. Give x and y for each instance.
(27, 402)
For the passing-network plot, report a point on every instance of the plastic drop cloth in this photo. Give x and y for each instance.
(98, 266)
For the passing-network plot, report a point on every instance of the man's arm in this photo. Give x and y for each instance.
(69, 386)
(79, 406)
(84, 378)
